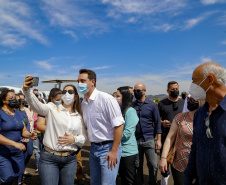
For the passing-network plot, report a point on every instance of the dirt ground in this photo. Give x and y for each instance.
(34, 179)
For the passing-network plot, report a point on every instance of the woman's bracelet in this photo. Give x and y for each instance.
(163, 157)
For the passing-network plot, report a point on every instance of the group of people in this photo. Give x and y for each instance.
(122, 129)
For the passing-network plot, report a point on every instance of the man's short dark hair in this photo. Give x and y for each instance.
(35, 90)
(91, 74)
(171, 83)
(129, 87)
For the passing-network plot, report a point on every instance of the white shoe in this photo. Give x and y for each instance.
(164, 180)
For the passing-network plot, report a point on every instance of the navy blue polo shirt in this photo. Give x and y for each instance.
(149, 120)
(207, 159)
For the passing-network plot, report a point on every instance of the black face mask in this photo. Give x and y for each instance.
(138, 95)
(22, 102)
(174, 93)
(13, 103)
(192, 106)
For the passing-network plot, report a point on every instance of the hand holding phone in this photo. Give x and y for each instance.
(35, 81)
(30, 82)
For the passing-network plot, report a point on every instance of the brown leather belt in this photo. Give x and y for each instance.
(61, 153)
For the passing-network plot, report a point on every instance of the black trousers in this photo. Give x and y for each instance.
(127, 170)
(178, 176)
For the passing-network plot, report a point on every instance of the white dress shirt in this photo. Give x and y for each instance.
(101, 114)
(58, 122)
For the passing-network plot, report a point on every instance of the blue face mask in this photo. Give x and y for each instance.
(82, 88)
(57, 102)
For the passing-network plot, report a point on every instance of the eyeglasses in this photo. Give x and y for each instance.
(208, 131)
(138, 90)
(70, 91)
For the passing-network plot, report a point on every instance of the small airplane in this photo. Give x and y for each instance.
(59, 82)
(16, 90)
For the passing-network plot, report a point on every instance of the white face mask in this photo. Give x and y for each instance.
(197, 92)
(68, 98)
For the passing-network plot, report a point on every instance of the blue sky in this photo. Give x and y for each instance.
(123, 41)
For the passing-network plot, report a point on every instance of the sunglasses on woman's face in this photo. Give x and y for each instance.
(70, 91)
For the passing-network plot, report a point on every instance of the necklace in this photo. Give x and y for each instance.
(8, 112)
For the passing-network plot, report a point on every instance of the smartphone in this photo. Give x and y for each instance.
(35, 81)
(166, 174)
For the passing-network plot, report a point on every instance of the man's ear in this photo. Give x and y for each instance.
(211, 79)
(93, 81)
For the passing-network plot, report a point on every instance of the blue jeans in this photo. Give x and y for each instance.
(37, 149)
(54, 169)
(27, 155)
(99, 172)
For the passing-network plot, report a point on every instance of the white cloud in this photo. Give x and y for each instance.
(209, 2)
(71, 33)
(223, 42)
(17, 24)
(45, 64)
(101, 67)
(192, 22)
(144, 6)
(5, 52)
(68, 14)
(164, 27)
(131, 20)
(222, 53)
(206, 59)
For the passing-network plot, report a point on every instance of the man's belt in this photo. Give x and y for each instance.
(103, 143)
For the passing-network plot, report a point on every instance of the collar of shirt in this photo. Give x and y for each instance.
(145, 101)
(62, 108)
(92, 97)
(222, 104)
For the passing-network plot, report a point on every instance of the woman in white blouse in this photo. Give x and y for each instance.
(64, 133)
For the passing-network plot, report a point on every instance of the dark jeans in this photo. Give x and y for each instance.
(178, 176)
(147, 148)
(54, 169)
(127, 170)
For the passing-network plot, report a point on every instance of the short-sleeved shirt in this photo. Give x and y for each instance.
(168, 110)
(184, 141)
(101, 114)
(11, 126)
(11, 157)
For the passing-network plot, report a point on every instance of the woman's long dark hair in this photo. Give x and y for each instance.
(126, 99)
(53, 93)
